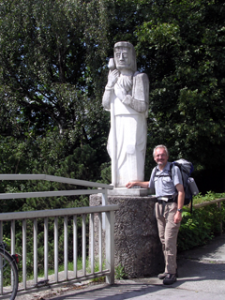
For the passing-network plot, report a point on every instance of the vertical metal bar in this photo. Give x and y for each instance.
(46, 248)
(35, 245)
(92, 243)
(75, 246)
(84, 244)
(56, 252)
(66, 247)
(13, 237)
(109, 245)
(12, 245)
(104, 202)
(24, 238)
(1, 269)
(105, 197)
(100, 240)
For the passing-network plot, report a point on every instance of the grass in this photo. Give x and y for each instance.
(60, 269)
(70, 268)
(119, 272)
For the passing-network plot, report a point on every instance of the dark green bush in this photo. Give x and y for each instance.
(200, 226)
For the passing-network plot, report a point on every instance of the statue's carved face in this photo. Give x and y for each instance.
(123, 58)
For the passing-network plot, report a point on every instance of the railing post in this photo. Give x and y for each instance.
(35, 245)
(24, 257)
(100, 241)
(46, 248)
(13, 237)
(66, 247)
(104, 202)
(84, 244)
(109, 245)
(75, 246)
(92, 243)
(104, 197)
(56, 252)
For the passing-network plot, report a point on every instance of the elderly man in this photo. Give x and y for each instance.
(126, 96)
(169, 190)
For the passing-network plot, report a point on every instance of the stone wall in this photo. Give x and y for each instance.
(137, 246)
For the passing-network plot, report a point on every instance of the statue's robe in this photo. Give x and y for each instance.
(130, 129)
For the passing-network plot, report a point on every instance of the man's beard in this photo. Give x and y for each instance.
(125, 82)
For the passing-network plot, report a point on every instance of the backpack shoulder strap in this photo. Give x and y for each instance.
(171, 170)
(173, 164)
(154, 172)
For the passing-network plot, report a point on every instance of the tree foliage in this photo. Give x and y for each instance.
(183, 44)
(52, 58)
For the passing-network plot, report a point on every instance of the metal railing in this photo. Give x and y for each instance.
(106, 211)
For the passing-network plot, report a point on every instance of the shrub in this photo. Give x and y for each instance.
(202, 224)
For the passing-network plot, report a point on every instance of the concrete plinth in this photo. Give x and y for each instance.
(135, 191)
(137, 246)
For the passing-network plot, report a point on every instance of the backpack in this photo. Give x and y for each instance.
(190, 187)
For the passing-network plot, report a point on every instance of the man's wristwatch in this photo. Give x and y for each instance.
(180, 209)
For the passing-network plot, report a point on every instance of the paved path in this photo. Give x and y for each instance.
(201, 277)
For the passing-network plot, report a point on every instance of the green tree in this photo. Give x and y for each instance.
(183, 45)
(52, 58)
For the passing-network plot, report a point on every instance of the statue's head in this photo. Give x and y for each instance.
(125, 57)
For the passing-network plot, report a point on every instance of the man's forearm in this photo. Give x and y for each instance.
(180, 203)
(180, 200)
(143, 184)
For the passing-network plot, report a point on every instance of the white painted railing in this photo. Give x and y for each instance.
(104, 269)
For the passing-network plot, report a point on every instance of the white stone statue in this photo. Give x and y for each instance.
(126, 96)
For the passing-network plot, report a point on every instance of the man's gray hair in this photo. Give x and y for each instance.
(161, 146)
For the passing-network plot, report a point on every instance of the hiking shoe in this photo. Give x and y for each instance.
(169, 279)
(162, 275)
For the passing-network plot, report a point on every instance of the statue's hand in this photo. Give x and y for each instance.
(120, 93)
(112, 78)
(127, 100)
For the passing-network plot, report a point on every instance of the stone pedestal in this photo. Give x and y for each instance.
(137, 246)
(135, 191)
